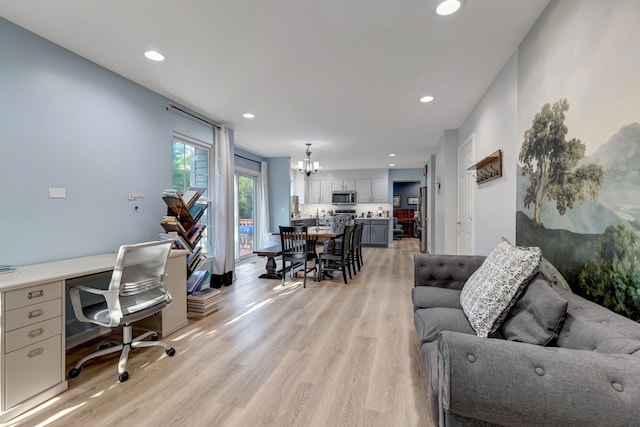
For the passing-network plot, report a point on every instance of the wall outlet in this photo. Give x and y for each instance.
(57, 193)
(136, 196)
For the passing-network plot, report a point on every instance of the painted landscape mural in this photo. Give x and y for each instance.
(578, 195)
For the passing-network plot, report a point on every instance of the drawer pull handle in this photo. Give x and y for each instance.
(36, 294)
(35, 313)
(36, 352)
(36, 333)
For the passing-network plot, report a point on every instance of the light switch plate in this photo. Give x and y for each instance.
(57, 193)
(136, 196)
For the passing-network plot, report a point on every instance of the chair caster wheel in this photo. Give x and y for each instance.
(74, 372)
(171, 352)
(123, 376)
(103, 346)
(154, 337)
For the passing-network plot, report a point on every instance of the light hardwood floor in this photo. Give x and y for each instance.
(328, 355)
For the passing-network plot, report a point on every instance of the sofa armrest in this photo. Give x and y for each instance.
(445, 271)
(512, 383)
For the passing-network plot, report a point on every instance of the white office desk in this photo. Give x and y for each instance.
(32, 328)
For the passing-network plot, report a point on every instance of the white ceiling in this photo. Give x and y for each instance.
(343, 75)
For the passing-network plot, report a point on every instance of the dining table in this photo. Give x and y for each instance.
(314, 233)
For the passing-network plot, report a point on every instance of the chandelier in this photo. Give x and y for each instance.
(306, 166)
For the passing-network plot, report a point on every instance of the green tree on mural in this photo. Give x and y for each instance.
(550, 161)
(613, 278)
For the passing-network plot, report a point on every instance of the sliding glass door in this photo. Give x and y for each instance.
(245, 189)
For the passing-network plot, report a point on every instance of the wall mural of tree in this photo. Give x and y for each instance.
(578, 185)
(550, 161)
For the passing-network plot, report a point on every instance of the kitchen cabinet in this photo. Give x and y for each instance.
(366, 231)
(375, 232)
(372, 190)
(380, 190)
(173, 316)
(363, 190)
(379, 232)
(343, 184)
(299, 187)
(319, 191)
(305, 222)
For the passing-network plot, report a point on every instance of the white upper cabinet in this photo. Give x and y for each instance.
(370, 185)
(372, 190)
(363, 190)
(380, 190)
(319, 191)
(338, 184)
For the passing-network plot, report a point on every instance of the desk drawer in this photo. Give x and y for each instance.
(32, 370)
(32, 334)
(35, 313)
(32, 295)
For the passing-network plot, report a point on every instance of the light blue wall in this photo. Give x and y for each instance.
(67, 122)
(279, 174)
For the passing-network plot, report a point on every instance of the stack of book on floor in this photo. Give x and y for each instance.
(198, 280)
(7, 269)
(201, 299)
(203, 302)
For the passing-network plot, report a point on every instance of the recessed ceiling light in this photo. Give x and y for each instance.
(154, 55)
(427, 98)
(392, 164)
(248, 115)
(447, 7)
(392, 155)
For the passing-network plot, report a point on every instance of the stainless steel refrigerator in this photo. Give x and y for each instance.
(423, 219)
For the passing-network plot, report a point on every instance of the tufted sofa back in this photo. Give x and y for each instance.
(591, 327)
(439, 270)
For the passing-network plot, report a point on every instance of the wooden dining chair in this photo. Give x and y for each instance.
(337, 259)
(297, 252)
(356, 247)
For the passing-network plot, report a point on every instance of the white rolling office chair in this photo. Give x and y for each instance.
(136, 291)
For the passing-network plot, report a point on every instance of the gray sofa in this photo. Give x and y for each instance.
(588, 376)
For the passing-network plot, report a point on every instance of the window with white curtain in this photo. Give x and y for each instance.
(191, 169)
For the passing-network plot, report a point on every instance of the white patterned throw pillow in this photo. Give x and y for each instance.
(493, 288)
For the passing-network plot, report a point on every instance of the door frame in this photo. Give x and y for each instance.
(249, 174)
(465, 180)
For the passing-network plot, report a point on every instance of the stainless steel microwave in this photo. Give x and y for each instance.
(343, 198)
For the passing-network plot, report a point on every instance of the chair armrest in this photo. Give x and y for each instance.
(110, 297)
(512, 383)
(89, 289)
(445, 271)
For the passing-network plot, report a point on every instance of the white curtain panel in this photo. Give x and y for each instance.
(262, 203)
(223, 236)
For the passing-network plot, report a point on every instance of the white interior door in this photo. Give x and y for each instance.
(466, 189)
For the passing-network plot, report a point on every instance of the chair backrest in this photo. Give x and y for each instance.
(347, 241)
(293, 241)
(396, 225)
(357, 235)
(138, 276)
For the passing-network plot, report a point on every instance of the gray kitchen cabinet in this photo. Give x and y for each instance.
(379, 232)
(375, 232)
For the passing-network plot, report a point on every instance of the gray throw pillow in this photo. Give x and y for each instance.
(537, 316)
(552, 274)
(493, 288)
